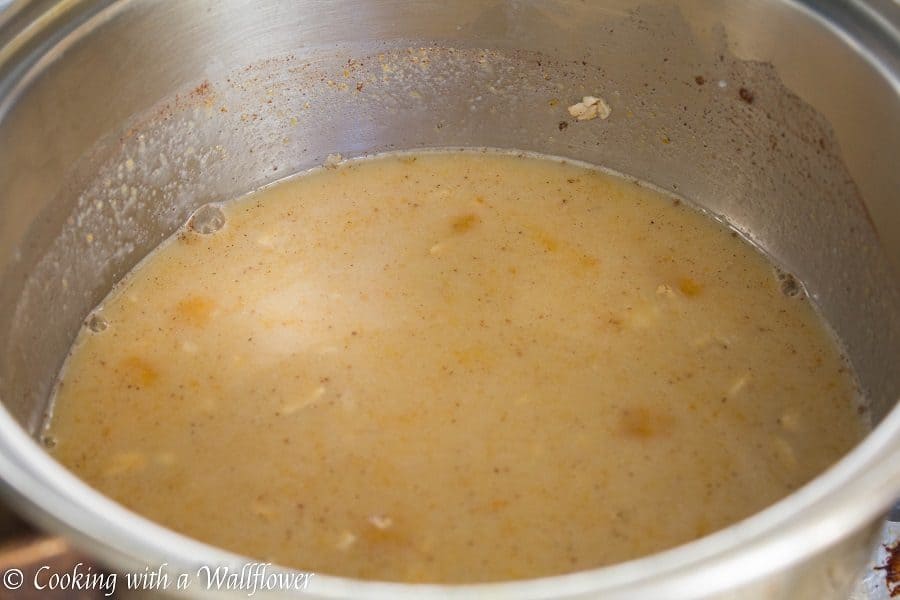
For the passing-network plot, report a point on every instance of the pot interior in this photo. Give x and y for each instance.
(142, 112)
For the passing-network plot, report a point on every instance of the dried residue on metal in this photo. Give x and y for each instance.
(891, 568)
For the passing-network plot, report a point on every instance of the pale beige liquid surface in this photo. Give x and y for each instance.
(453, 367)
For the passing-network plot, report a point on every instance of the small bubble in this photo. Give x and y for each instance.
(790, 287)
(96, 323)
(207, 219)
(48, 441)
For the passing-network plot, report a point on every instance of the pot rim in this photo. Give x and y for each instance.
(847, 497)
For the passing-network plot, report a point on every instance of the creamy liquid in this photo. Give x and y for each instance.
(453, 367)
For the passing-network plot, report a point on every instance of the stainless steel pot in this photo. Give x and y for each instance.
(117, 119)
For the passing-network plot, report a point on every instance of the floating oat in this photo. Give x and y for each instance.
(665, 290)
(589, 108)
(292, 406)
(346, 541)
(381, 521)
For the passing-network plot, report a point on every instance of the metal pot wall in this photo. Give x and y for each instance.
(117, 119)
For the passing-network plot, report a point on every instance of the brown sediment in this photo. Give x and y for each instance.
(891, 568)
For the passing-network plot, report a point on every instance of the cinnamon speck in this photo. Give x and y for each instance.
(201, 90)
(746, 95)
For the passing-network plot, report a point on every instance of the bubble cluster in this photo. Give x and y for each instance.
(207, 219)
(790, 287)
(96, 323)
